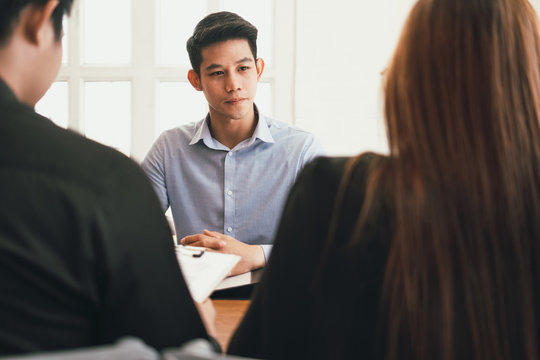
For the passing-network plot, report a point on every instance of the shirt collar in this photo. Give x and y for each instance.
(262, 132)
(203, 133)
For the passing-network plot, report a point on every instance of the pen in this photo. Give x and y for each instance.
(193, 251)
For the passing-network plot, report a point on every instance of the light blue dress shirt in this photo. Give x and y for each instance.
(239, 192)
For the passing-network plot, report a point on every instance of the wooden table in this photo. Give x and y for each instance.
(229, 313)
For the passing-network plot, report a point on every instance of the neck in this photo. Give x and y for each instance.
(16, 65)
(231, 132)
(10, 75)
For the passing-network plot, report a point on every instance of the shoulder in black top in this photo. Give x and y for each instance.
(314, 301)
(86, 255)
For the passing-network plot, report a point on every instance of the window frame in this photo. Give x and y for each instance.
(145, 74)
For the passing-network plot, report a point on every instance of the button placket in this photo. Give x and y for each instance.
(228, 186)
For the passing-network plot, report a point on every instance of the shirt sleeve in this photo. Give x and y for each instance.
(154, 166)
(267, 249)
(312, 149)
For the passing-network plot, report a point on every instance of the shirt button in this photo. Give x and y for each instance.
(229, 192)
(230, 153)
(229, 229)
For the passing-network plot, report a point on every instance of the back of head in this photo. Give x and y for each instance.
(462, 106)
(464, 81)
(10, 10)
(218, 27)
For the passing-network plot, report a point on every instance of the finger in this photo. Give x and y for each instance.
(196, 243)
(190, 239)
(213, 243)
(218, 235)
(212, 233)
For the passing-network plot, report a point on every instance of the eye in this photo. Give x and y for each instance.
(217, 73)
(243, 68)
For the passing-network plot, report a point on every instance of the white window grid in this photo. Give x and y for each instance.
(145, 74)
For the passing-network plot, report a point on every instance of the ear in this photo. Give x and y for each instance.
(36, 19)
(194, 80)
(260, 68)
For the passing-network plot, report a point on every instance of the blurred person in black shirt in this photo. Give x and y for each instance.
(86, 255)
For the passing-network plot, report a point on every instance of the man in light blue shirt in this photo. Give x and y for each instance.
(227, 176)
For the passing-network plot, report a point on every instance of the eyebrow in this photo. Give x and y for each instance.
(217, 66)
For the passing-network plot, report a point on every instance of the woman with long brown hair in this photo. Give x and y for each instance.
(430, 252)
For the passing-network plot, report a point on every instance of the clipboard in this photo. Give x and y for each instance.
(203, 270)
(249, 278)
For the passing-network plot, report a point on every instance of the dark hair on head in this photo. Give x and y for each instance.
(218, 27)
(462, 107)
(10, 11)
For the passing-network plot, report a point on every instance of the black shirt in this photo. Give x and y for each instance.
(314, 301)
(86, 255)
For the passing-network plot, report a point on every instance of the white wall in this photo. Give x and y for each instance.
(342, 47)
(328, 56)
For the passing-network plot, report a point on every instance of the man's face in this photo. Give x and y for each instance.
(228, 79)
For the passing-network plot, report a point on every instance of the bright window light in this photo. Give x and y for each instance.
(107, 113)
(54, 105)
(65, 48)
(264, 98)
(176, 21)
(107, 32)
(179, 103)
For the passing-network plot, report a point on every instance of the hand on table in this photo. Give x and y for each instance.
(252, 256)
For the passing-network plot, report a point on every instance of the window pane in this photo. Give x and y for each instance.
(176, 21)
(261, 14)
(54, 105)
(263, 99)
(179, 103)
(107, 111)
(106, 32)
(65, 48)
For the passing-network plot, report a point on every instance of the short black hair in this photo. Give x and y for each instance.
(218, 27)
(10, 11)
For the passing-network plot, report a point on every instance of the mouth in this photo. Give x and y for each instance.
(235, 101)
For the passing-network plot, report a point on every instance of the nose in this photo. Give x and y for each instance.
(232, 82)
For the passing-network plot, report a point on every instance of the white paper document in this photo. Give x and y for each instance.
(248, 278)
(203, 270)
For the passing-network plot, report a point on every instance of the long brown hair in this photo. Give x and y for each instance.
(462, 107)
